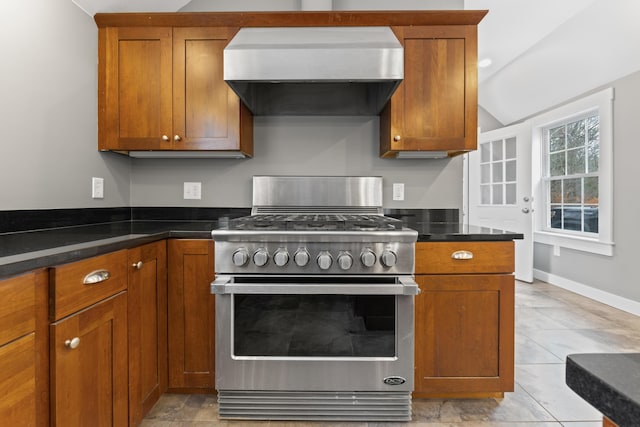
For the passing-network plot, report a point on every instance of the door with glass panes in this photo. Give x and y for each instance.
(498, 188)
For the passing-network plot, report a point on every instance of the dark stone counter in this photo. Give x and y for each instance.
(610, 382)
(24, 250)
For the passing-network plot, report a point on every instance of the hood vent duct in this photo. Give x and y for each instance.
(314, 70)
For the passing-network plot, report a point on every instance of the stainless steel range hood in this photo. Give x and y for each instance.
(314, 70)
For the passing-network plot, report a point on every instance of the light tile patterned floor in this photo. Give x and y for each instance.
(550, 324)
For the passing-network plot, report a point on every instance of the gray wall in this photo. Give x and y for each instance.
(486, 121)
(48, 106)
(49, 111)
(616, 274)
(299, 146)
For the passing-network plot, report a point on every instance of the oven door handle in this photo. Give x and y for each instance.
(223, 285)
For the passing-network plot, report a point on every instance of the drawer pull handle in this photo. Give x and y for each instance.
(462, 255)
(72, 343)
(96, 277)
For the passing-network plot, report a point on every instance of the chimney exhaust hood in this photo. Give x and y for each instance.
(314, 70)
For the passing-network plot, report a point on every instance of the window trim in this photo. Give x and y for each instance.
(602, 244)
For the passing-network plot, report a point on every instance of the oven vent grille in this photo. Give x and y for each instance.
(316, 210)
(317, 406)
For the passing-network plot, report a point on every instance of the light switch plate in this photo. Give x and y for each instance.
(398, 191)
(97, 188)
(192, 190)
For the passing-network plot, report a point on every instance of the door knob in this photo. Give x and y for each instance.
(397, 138)
(526, 199)
(165, 138)
(137, 265)
(525, 210)
(177, 138)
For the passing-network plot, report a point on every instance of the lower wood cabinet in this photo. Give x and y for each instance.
(147, 327)
(191, 314)
(23, 354)
(464, 319)
(89, 366)
(464, 334)
(88, 342)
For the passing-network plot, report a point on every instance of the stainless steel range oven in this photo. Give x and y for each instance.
(314, 304)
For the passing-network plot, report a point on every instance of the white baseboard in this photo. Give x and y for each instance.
(621, 303)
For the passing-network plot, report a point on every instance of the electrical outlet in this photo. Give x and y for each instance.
(97, 188)
(192, 190)
(398, 191)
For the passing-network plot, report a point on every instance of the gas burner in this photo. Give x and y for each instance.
(316, 222)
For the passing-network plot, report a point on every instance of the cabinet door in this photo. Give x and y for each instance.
(89, 366)
(24, 355)
(207, 114)
(134, 89)
(464, 333)
(147, 317)
(18, 382)
(435, 107)
(191, 314)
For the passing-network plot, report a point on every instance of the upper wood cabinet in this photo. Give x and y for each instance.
(435, 108)
(162, 88)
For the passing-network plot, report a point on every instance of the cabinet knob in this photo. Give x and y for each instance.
(165, 138)
(137, 265)
(397, 138)
(177, 138)
(73, 343)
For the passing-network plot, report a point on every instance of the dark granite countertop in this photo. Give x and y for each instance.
(610, 382)
(23, 251)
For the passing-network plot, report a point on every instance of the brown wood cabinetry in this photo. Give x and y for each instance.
(464, 344)
(147, 327)
(435, 107)
(88, 342)
(191, 315)
(23, 355)
(160, 83)
(161, 88)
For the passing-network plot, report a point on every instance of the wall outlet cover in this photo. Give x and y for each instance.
(97, 188)
(192, 190)
(398, 191)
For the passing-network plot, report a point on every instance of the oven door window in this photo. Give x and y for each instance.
(314, 325)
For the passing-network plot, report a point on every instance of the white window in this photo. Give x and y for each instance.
(572, 159)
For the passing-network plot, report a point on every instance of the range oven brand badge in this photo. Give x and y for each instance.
(394, 380)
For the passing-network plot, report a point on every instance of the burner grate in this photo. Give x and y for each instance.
(311, 222)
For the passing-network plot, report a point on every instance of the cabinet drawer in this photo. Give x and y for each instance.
(80, 284)
(17, 307)
(464, 257)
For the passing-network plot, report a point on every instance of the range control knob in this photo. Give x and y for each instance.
(281, 257)
(240, 257)
(368, 258)
(388, 259)
(324, 260)
(261, 257)
(345, 260)
(301, 257)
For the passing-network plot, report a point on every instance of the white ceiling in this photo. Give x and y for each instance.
(543, 52)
